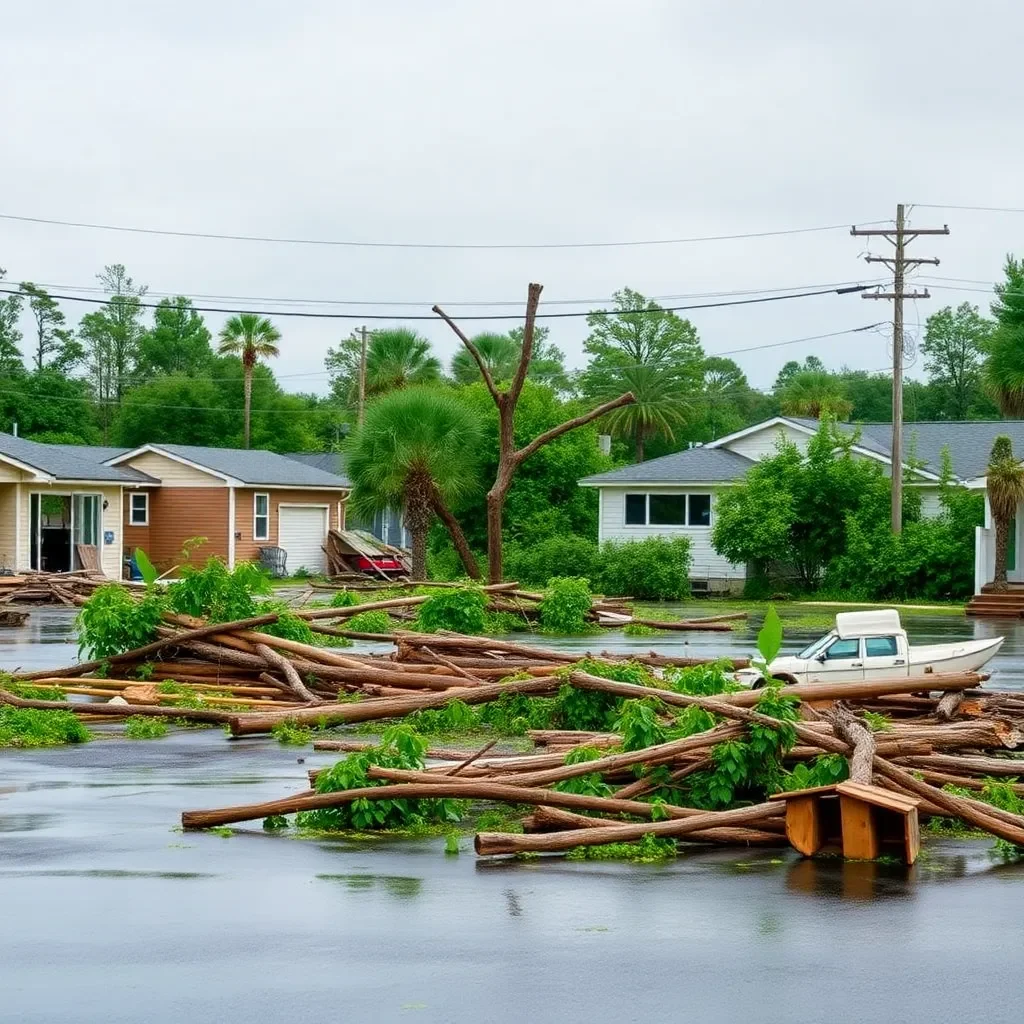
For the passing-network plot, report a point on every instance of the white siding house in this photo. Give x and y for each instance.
(677, 495)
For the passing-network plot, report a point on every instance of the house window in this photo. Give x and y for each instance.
(699, 513)
(636, 509)
(138, 514)
(880, 646)
(261, 517)
(667, 509)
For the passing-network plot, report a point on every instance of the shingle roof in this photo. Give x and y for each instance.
(329, 462)
(256, 467)
(699, 465)
(70, 461)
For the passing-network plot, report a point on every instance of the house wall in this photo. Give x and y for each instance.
(931, 506)
(11, 473)
(763, 442)
(8, 524)
(706, 563)
(136, 536)
(171, 473)
(246, 548)
(110, 522)
(177, 514)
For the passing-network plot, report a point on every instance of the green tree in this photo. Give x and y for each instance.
(651, 352)
(789, 370)
(174, 409)
(726, 401)
(48, 401)
(500, 352)
(54, 343)
(10, 336)
(1003, 369)
(1005, 485)
(954, 341)
(814, 393)
(251, 337)
(178, 342)
(395, 358)
(416, 449)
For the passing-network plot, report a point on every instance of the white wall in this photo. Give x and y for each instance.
(705, 562)
(764, 442)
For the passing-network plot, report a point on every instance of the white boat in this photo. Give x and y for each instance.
(874, 646)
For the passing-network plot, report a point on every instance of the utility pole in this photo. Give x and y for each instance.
(898, 263)
(362, 374)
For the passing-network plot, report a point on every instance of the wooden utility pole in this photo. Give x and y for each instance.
(362, 374)
(898, 263)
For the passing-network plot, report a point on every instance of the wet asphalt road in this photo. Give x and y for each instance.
(108, 914)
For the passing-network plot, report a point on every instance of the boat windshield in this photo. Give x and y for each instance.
(809, 652)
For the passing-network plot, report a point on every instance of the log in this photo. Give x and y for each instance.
(460, 789)
(118, 710)
(702, 625)
(949, 705)
(976, 765)
(966, 782)
(491, 843)
(390, 707)
(287, 669)
(860, 738)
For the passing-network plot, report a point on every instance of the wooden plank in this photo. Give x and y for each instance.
(803, 824)
(911, 836)
(878, 797)
(860, 838)
(88, 555)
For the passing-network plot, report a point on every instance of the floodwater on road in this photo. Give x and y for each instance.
(109, 914)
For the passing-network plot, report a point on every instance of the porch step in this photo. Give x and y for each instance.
(1008, 605)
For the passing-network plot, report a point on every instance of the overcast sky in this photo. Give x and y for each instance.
(526, 122)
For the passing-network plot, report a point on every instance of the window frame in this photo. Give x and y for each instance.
(132, 521)
(257, 516)
(685, 495)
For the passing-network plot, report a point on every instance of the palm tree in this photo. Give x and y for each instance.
(814, 393)
(499, 353)
(1005, 483)
(659, 407)
(252, 337)
(397, 358)
(1003, 370)
(416, 449)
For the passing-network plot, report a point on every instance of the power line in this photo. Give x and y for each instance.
(980, 209)
(418, 245)
(305, 314)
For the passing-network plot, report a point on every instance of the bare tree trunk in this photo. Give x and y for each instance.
(248, 400)
(639, 439)
(458, 537)
(509, 458)
(419, 553)
(1002, 550)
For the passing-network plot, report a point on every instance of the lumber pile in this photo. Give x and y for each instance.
(65, 588)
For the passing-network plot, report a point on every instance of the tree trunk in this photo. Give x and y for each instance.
(248, 400)
(458, 537)
(1002, 550)
(419, 554)
(639, 444)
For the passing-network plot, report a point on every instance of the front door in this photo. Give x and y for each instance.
(883, 658)
(840, 662)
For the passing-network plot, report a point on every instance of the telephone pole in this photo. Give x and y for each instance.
(362, 374)
(898, 263)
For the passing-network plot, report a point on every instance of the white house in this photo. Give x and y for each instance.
(676, 495)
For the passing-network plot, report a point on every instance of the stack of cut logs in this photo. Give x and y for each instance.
(67, 588)
(942, 730)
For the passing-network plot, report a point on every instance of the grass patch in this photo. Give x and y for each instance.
(142, 727)
(28, 727)
(290, 734)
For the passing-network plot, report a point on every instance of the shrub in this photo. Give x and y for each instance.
(216, 593)
(112, 621)
(344, 599)
(458, 610)
(657, 568)
(376, 621)
(142, 727)
(565, 606)
(566, 554)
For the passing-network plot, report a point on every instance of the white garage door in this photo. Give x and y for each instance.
(301, 532)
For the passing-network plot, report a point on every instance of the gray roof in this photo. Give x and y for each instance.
(71, 461)
(256, 467)
(329, 462)
(697, 465)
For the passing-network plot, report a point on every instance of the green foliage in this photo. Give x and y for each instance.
(290, 733)
(769, 637)
(565, 606)
(496, 623)
(706, 680)
(154, 411)
(112, 621)
(693, 720)
(218, 594)
(586, 785)
(649, 850)
(400, 747)
(639, 629)
(1003, 370)
(639, 724)
(656, 568)
(374, 621)
(29, 727)
(344, 599)
(28, 692)
(146, 568)
(455, 716)
(512, 714)
(954, 341)
(289, 626)
(274, 823)
(878, 722)
(587, 710)
(824, 770)
(534, 563)
(451, 844)
(143, 727)
(459, 610)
